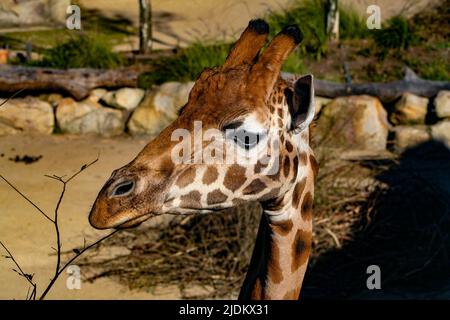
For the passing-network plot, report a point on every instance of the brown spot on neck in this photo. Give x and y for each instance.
(274, 99)
(186, 177)
(210, 175)
(298, 191)
(271, 195)
(259, 166)
(301, 248)
(280, 112)
(274, 204)
(314, 165)
(295, 169)
(280, 123)
(292, 295)
(280, 98)
(215, 197)
(289, 146)
(303, 158)
(274, 272)
(191, 200)
(286, 166)
(283, 227)
(257, 292)
(256, 186)
(235, 177)
(307, 205)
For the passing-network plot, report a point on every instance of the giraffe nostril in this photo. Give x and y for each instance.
(123, 189)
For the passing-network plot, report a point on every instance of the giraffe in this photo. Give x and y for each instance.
(245, 96)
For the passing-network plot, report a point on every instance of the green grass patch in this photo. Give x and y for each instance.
(351, 24)
(310, 16)
(187, 64)
(437, 69)
(81, 51)
(93, 23)
(397, 34)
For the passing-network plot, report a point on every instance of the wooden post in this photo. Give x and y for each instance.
(332, 20)
(145, 26)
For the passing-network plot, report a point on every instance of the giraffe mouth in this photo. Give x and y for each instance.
(134, 222)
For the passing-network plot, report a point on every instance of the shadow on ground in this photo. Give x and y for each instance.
(95, 20)
(405, 232)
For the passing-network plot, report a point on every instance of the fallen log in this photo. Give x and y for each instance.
(76, 82)
(386, 92)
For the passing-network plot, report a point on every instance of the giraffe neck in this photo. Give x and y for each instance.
(283, 243)
(282, 246)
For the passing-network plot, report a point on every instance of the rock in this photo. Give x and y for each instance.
(146, 120)
(88, 117)
(22, 13)
(171, 96)
(320, 103)
(52, 98)
(97, 94)
(364, 155)
(124, 98)
(354, 122)
(410, 109)
(442, 104)
(57, 9)
(159, 108)
(6, 129)
(32, 13)
(441, 132)
(26, 114)
(410, 136)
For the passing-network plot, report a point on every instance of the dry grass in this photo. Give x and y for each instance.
(200, 250)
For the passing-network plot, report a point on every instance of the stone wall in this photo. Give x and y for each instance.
(352, 123)
(20, 13)
(363, 123)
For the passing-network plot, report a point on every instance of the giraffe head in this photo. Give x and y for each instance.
(242, 136)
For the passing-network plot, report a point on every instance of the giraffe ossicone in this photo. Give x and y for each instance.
(242, 136)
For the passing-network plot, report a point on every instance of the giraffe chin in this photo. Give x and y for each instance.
(134, 222)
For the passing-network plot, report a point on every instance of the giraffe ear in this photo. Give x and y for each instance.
(302, 104)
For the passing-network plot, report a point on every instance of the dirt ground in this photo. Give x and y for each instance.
(30, 236)
(177, 22)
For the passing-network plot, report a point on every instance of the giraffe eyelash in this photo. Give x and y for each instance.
(245, 139)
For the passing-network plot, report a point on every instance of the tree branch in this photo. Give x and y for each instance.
(78, 252)
(28, 277)
(26, 198)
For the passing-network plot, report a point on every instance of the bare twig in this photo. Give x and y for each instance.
(26, 198)
(27, 276)
(52, 281)
(78, 252)
(58, 204)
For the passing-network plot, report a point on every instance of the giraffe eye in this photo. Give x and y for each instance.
(123, 188)
(246, 139)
